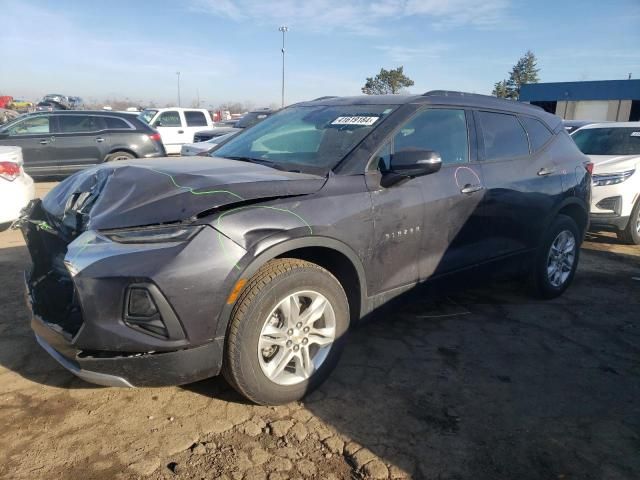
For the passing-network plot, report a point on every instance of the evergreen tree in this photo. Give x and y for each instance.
(387, 81)
(524, 71)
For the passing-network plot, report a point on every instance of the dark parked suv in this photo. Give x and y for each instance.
(63, 142)
(255, 262)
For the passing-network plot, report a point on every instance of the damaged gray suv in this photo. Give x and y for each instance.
(255, 261)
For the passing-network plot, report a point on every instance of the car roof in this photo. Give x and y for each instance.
(110, 113)
(612, 125)
(162, 109)
(579, 122)
(440, 97)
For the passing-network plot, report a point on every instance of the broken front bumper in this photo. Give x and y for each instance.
(120, 369)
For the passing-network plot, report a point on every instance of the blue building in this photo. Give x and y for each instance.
(616, 100)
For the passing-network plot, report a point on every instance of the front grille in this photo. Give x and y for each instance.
(51, 287)
(610, 203)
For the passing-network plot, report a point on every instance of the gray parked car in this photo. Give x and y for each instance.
(255, 261)
(63, 142)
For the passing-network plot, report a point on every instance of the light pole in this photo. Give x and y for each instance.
(178, 74)
(283, 29)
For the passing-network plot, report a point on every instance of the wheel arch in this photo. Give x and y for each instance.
(576, 210)
(331, 254)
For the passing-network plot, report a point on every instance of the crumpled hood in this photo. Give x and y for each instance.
(147, 192)
(603, 164)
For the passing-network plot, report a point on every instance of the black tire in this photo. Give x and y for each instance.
(119, 156)
(630, 235)
(264, 291)
(540, 283)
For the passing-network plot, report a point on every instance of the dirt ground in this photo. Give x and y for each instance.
(484, 384)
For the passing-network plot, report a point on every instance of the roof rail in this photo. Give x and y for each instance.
(324, 98)
(449, 93)
(452, 93)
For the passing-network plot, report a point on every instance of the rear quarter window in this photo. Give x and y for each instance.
(538, 133)
(503, 136)
(114, 123)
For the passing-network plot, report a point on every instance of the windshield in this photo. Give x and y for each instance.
(310, 139)
(250, 119)
(608, 141)
(147, 115)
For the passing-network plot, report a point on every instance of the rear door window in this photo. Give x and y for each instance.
(503, 136)
(31, 126)
(438, 129)
(170, 118)
(195, 119)
(79, 124)
(538, 133)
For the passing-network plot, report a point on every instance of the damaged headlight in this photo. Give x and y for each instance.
(155, 234)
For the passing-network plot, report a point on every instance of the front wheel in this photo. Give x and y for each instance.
(556, 261)
(286, 333)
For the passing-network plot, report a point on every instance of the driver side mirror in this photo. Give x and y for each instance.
(407, 164)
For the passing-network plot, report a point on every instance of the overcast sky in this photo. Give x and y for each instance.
(229, 50)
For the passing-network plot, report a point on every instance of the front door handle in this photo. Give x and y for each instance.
(546, 171)
(44, 141)
(468, 188)
(180, 131)
(99, 139)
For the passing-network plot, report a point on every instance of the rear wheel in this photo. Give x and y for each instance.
(631, 234)
(556, 261)
(119, 156)
(286, 332)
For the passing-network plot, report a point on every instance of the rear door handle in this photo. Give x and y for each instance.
(180, 131)
(44, 141)
(468, 189)
(99, 139)
(546, 171)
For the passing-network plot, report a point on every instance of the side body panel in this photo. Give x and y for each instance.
(521, 198)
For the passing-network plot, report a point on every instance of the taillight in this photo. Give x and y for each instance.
(9, 170)
(155, 136)
(589, 167)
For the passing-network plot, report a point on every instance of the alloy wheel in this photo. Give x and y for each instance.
(296, 337)
(561, 258)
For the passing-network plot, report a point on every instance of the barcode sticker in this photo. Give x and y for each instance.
(365, 121)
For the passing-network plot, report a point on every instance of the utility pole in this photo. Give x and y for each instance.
(629, 76)
(284, 29)
(178, 74)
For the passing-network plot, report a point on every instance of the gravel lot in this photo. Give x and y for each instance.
(484, 384)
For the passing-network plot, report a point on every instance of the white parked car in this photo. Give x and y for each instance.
(16, 187)
(202, 148)
(614, 149)
(177, 125)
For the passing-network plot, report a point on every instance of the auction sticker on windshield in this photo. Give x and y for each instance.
(365, 121)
